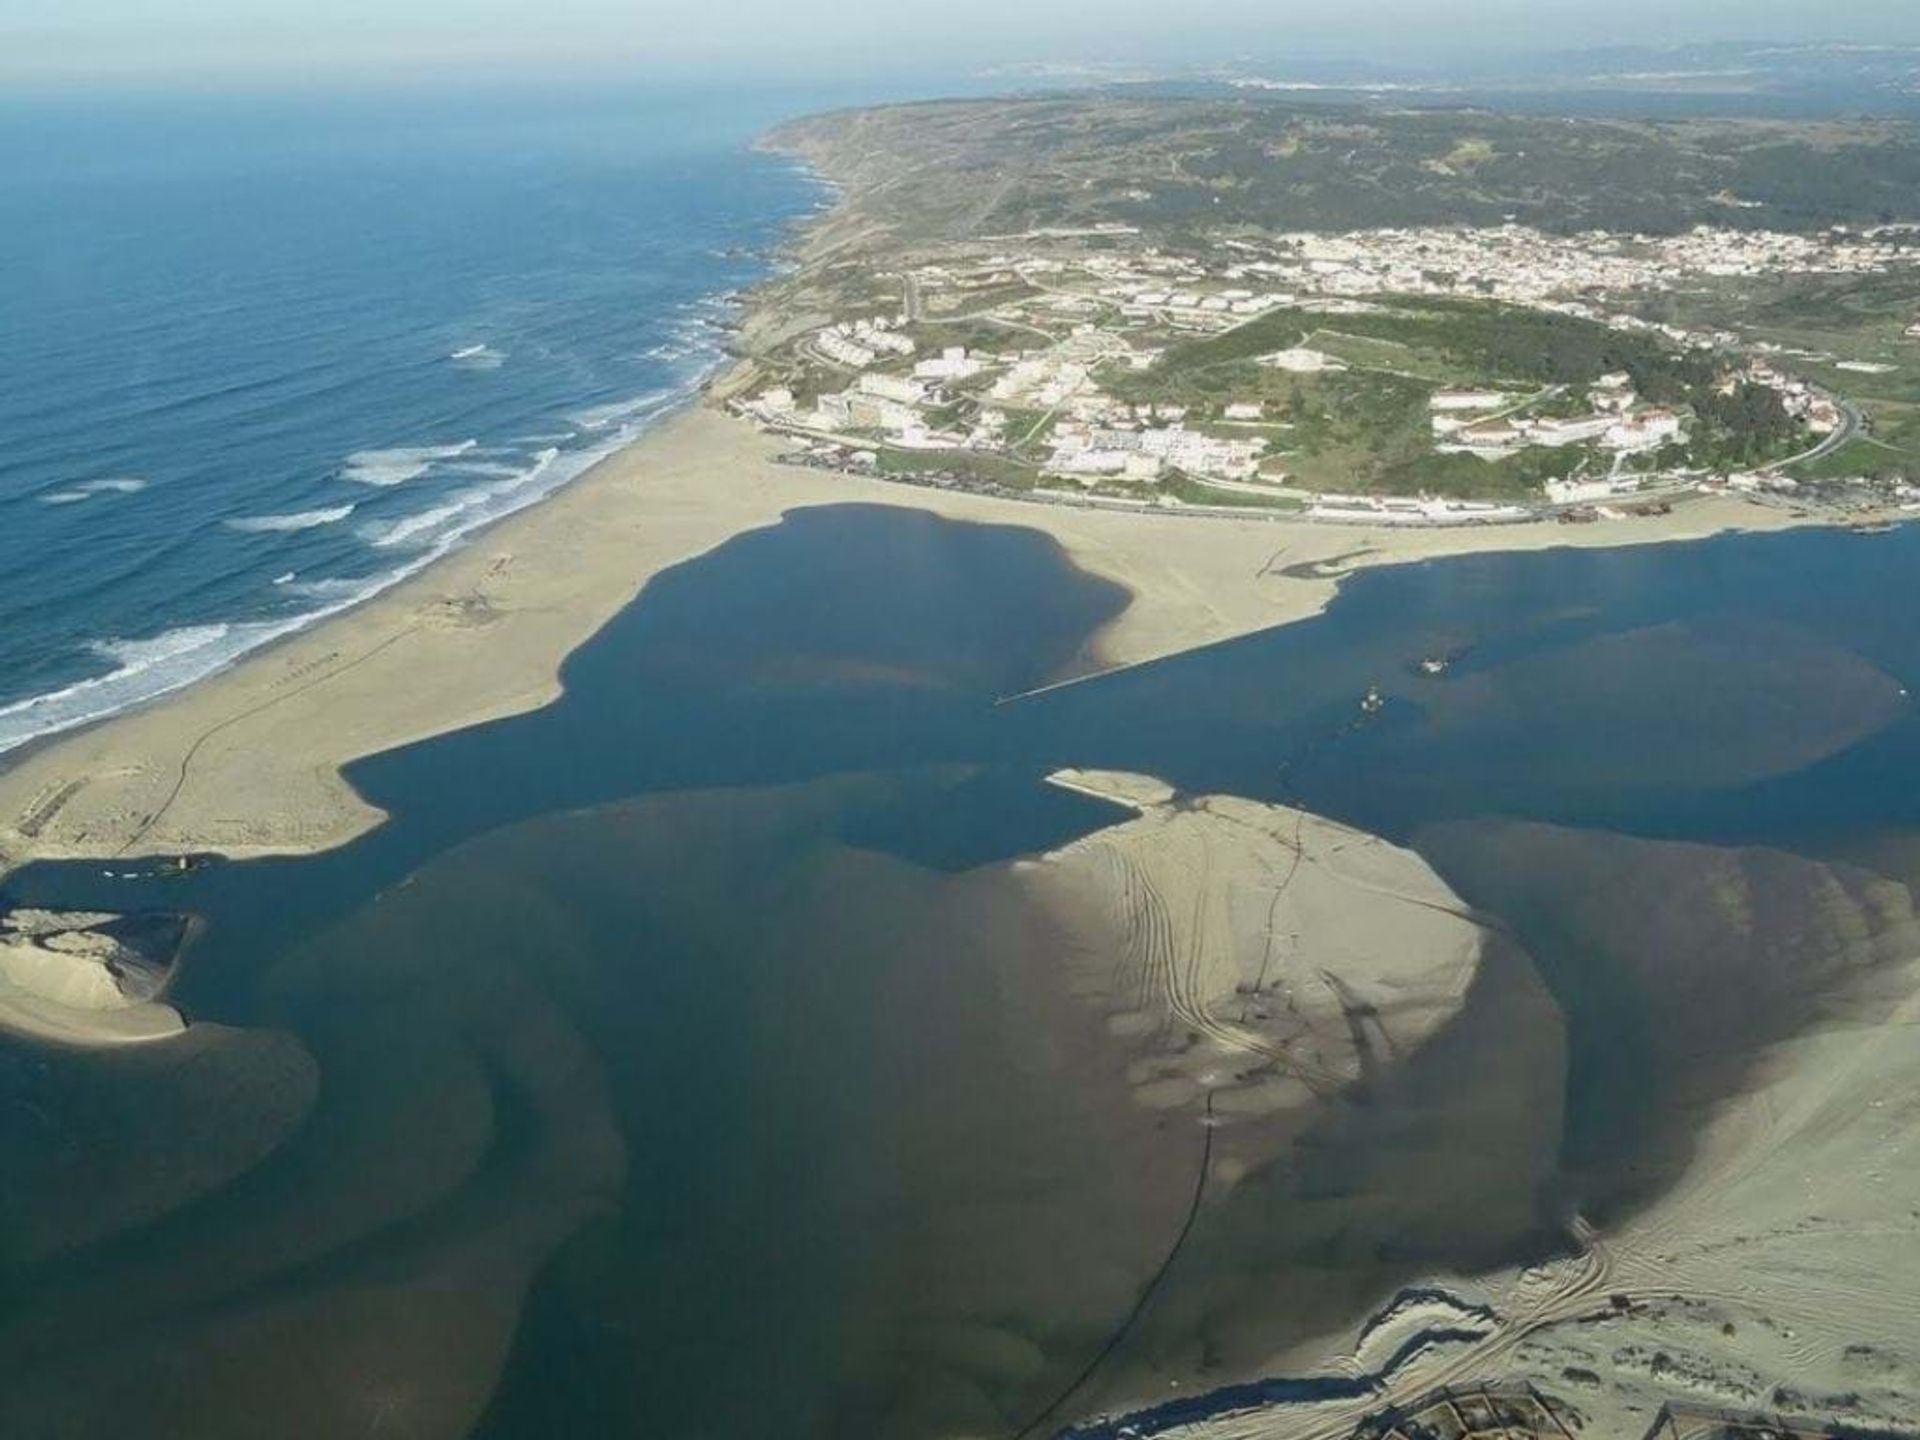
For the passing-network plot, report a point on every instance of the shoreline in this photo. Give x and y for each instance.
(247, 761)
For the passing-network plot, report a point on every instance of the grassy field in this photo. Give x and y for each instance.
(1837, 319)
(969, 466)
(1367, 428)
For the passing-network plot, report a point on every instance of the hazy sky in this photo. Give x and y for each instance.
(153, 39)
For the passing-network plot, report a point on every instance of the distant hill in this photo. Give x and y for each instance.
(953, 170)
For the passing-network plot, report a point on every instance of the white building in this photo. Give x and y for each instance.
(888, 340)
(1466, 400)
(1646, 431)
(832, 412)
(898, 388)
(1555, 433)
(1301, 361)
(846, 352)
(953, 363)
(1587, 492)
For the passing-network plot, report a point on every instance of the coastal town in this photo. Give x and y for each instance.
(1425, 375)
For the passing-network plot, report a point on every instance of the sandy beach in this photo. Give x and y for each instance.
(247, 762)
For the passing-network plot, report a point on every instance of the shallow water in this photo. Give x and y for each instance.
(684, 1012)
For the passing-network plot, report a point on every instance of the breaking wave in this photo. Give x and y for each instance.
(399, 465)
(145, 669)
(141, 670)
(478, 357)
(298, 520)
(88, 489)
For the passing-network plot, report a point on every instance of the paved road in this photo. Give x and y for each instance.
(1852, 425)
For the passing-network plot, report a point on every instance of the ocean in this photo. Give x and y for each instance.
(265, 358)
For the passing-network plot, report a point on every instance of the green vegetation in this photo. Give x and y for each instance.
(1367, 428)
(973, 334)
(1749, 427)
(1197, 492)
(1862, 459)
(1516, 477)
(970, 467)
(936, 191)
(1028, 427)
(1823, 320)
(1456, 341)
(1182, 166)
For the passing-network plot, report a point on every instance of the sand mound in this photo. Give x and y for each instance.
(61, 979)
(1265, 957)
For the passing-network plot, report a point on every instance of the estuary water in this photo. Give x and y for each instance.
(675, 1062)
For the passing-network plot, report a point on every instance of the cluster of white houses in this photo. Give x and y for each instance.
(1102, 309)
(858, 343)
(1482, 422)
(1819, 412)
(1143, 453)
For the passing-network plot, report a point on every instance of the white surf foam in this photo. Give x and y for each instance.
(401, 464)
(347, 589)
(139, 656)
(141, 668)
(298, 520)
(478, 357)
(88, 489)
(461, 512)
(619, 412)
(145, 669)
(492, 469)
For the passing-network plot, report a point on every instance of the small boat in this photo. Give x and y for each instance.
(1373, 702)
(1435, 665)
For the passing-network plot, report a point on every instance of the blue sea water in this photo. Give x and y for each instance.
(262, 359)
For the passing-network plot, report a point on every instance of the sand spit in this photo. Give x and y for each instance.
(1782, 1271)
(63, 980)
(1776, 1268)
(247, 763)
